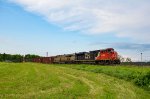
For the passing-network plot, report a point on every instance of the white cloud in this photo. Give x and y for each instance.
(126, 18)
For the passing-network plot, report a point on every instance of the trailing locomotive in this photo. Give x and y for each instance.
(104, 56)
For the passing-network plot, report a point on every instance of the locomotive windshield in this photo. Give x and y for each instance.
(110, 50)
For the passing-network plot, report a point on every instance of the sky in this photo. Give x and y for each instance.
(69, 26)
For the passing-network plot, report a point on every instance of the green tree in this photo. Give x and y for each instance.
(122, 59)
(128, 59)
(1, 57)
(29, 57)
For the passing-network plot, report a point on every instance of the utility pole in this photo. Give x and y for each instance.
(46, 54)
(141, 59)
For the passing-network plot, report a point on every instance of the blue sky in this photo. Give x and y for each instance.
(61, 27)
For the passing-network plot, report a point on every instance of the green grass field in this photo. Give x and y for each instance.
(31, 80)
(140, 76)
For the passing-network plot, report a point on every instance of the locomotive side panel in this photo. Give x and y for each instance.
(94, 54)
(57, 59)
(69, 58)
(82, 56)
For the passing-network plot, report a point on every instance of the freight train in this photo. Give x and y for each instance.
(103, 56)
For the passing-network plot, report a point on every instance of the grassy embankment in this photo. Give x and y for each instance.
(30, 80)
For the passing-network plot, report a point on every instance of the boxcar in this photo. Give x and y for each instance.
(47, 60)
(37, 60)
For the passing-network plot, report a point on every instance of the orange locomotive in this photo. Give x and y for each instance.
(107, 56)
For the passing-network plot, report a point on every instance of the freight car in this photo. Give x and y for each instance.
(37, 60)
(46, 60)
(104, 56)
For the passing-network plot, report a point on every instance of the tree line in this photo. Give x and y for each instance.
(123, 59)
(17, 57)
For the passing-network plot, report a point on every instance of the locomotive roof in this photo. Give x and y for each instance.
(81, 52)
(95, 51)
(64, 55)
(106, 49)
